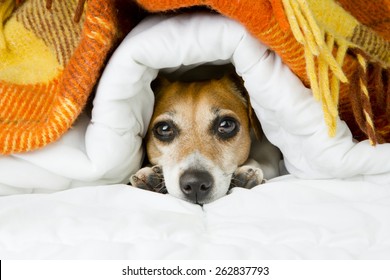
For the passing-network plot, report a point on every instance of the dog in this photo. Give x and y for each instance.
(199, 140)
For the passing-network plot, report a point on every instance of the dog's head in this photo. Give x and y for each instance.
(199, 134)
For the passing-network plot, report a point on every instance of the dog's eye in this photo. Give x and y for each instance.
(165, 131)
(226, 127)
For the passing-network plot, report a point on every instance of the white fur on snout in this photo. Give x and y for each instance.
(196, 161)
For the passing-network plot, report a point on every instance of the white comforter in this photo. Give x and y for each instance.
(107, 149)
(314, 216)
(287, 218)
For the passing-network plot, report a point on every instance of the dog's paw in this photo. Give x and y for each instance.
(247, 177)
(149, 178)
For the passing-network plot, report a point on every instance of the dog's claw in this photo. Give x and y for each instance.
(157, 169)
(247, 177)
(149, 178)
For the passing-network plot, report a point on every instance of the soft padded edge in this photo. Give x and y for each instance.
(287, 218)
(107, 149)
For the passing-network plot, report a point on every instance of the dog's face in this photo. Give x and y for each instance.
(199, 134)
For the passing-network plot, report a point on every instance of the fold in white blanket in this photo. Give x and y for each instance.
(107, 148)
(285, 219)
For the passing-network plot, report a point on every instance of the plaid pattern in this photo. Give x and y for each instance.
(38, 105)
(340, 48)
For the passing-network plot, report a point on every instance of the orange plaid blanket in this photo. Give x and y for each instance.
(52, 53)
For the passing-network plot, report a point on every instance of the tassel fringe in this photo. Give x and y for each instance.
(320, 62)
(368, 123)
(324, 55)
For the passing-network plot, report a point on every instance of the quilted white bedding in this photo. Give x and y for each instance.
(287, 218)
(336, 203)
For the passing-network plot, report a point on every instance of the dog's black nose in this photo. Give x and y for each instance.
(196, 184)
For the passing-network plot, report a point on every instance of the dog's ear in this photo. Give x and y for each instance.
(240, 87)
(255, 123)
(159, 83)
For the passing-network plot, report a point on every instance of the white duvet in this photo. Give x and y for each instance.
(308, 215)
(287, 218)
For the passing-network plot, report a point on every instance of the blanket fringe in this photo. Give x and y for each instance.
(323, 69)
(324, 56)
(362, 103)
(365, 120)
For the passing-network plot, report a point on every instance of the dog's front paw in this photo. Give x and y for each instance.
(247, 177)
(149, 178)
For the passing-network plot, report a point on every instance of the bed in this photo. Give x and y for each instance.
(70, 200)
(287, 218)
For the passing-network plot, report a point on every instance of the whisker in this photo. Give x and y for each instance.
(228, 174)
(159, 185)
(158, 176)
(162, 189)
(237, 180)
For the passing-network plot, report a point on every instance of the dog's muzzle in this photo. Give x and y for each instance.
(196, 185)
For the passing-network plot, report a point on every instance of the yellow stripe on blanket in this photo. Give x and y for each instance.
(327, 32)
(17, 57)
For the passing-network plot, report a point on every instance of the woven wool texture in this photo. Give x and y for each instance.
(48, 66)
(49, 63)
(338, 48)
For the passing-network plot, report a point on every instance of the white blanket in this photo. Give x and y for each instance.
(107, 149)
(287, 218)
(309, 215)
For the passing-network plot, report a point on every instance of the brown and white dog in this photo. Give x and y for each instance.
(199, 140)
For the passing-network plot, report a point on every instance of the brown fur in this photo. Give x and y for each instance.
(199, 141)
(196, 104)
